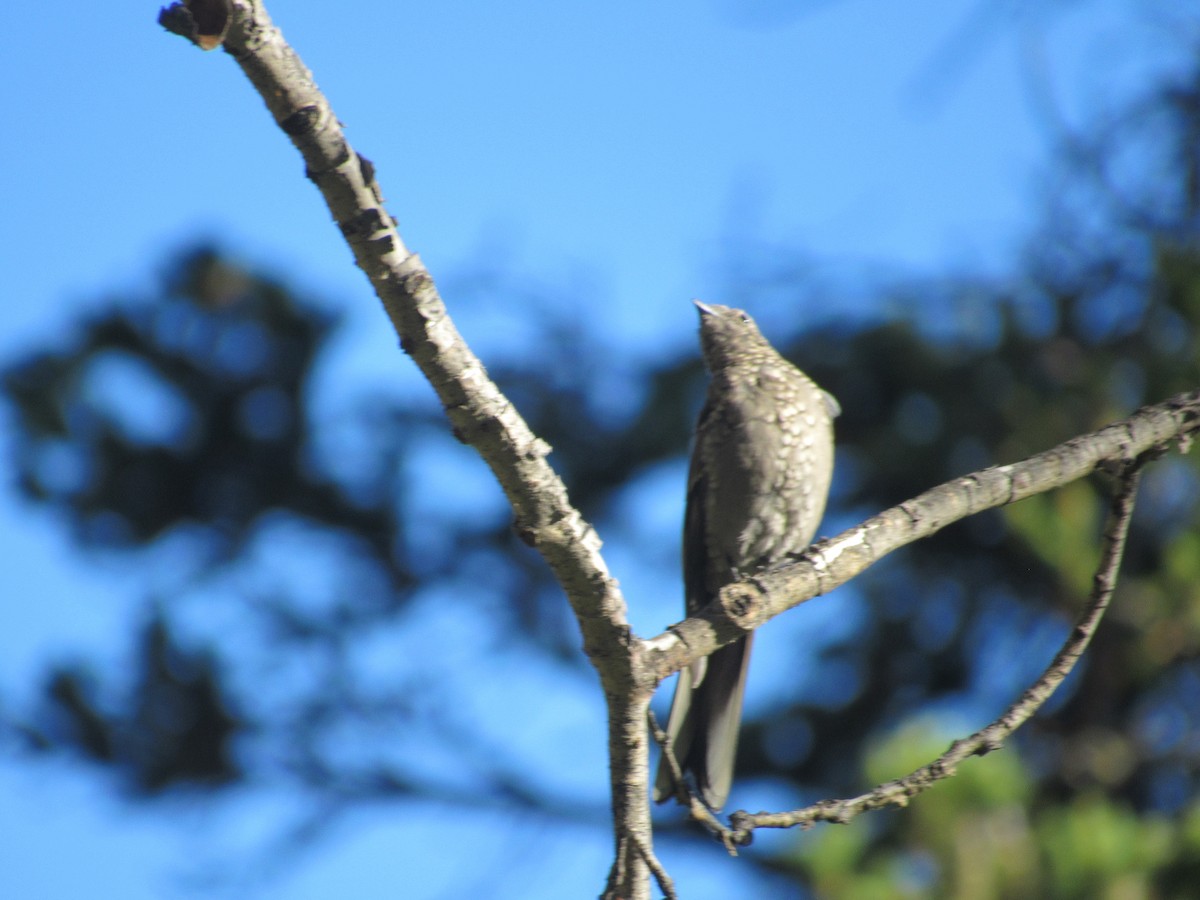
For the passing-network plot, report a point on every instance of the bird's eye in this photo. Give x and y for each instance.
(745, 318)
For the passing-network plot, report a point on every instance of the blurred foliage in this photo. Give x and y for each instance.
(184, 424)
(987, 837)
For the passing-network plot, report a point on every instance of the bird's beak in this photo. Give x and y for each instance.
(704, 310)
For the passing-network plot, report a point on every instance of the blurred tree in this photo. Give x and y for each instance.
(182, 428)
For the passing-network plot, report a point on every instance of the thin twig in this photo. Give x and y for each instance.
(898, 793)
(667, 746)
(665, 884)
(684, 794)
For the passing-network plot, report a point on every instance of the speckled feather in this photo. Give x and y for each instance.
(760, 472)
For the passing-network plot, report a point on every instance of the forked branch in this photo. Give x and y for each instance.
(484, 418)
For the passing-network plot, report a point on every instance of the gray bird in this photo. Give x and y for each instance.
(759, 476)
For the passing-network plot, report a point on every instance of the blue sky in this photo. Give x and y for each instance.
(616, 147)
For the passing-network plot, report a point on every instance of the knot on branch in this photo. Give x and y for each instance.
(740, 602)
(302, 121)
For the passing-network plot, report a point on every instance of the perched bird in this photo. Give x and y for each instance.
(759, 475)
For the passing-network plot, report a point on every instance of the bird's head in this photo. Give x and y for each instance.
(729, 336)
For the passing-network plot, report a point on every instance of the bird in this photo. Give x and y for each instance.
(760, 472)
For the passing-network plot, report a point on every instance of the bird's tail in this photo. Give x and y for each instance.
(706, 715)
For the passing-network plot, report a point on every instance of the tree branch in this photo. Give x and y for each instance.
(480, 415)
(697, 811)
(827, 564)
(984, 741)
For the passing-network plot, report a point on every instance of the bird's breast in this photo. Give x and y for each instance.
(768, 457)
